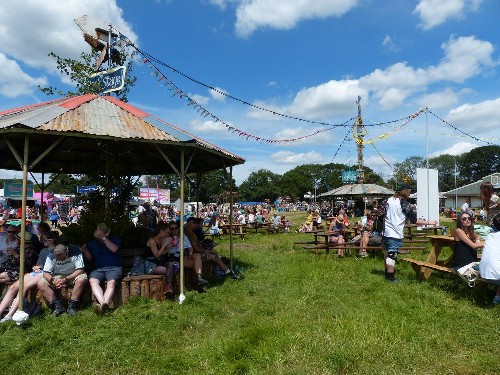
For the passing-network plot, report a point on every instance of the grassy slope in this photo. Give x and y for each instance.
(295, 313)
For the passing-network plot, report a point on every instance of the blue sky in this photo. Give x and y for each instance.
(304, 59)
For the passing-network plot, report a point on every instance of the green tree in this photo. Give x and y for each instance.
(78, 72)
(478, 163)
(260, 185)
(445, 164)
(406, 171)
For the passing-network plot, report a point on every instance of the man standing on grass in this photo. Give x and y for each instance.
(397, 211)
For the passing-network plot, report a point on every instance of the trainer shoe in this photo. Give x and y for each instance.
(234, 276)
(104, 307)
(393, 280)
(496, 300)
(201, 281)
(58, 309)
(72, 310)
(98, 308)
(6, 318)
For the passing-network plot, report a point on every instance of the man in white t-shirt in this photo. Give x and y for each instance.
(397, 212)
(465, 206)
(489, 267)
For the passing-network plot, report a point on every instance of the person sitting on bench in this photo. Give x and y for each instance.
(489, 267)
(337, 228)
(192, 225)
(62, 269)
(104, 250)
(466, 241)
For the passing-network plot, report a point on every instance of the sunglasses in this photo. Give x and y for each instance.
(48, 239)
(466, 219)
(173, 228)
(11, 231)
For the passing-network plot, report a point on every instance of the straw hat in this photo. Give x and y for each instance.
(27, 236)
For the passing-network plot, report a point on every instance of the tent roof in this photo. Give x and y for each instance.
(358, 189)
(97, 133)
(472, 190)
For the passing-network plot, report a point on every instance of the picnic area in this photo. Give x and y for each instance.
(296, 312)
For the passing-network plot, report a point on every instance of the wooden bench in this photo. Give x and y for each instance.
(417, 266)
(348, 247)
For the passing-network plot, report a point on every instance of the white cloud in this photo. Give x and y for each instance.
(435, 12)
(294, 133)
(15, 82)
(207, 127)
(439, 99)
(379, 166)
(457, 149)
(394, 84)
(51, 29)
(327, 100)
(220, 3)
(288, 157)
(390, 44)
(285, 14)
(464, 58)
(200, 99)
(477, 118)
(218, 95)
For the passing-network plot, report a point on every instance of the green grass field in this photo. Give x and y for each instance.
(294, 313)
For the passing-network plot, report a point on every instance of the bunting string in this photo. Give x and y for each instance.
(162, 79)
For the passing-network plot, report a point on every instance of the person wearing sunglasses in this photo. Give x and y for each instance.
(466, 241)
(31, 279)
(8, 241)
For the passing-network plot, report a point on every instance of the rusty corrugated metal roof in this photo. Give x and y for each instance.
(103, 118)
(99, 116)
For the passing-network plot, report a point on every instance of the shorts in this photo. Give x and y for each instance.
(207, 256)
(36, 273)
(107, 273)
(70, 282)
(392, 245)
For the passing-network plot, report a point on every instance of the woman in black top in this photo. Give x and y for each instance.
(158, 252)
(466, 241)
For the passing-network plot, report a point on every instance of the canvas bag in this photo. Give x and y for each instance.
(469, 274)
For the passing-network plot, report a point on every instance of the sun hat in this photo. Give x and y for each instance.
(27, 236)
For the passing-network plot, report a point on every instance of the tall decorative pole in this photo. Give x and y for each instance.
(359, 132)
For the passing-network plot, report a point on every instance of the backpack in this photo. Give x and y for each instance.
(33, 308)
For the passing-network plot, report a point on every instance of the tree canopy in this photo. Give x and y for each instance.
(78, 72)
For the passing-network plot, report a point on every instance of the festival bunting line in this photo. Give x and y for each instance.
(457, 129)
(453, 135)
(408, 119)
(178, 92)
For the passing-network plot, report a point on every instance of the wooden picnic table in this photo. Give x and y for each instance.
(237, 229)
(437, 243)
(423, 229)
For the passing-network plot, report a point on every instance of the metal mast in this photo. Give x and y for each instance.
(359, 132)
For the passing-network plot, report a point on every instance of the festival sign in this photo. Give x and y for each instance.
(86, 189)
(14, 190)
(110, 80)
(349, 177)
(159, 195)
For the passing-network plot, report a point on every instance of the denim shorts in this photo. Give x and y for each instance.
(107, 273)
(392, 245)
